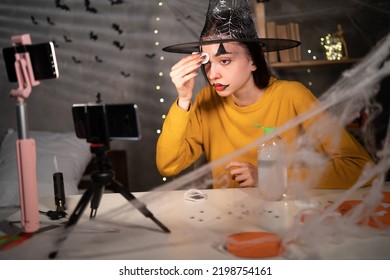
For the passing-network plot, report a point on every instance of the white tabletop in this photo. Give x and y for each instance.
(198, 228)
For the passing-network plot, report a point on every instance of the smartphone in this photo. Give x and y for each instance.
(43, 60)
(99, 123)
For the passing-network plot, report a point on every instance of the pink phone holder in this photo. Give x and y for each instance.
(25, 147)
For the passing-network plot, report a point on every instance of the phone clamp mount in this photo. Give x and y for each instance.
(25, 147)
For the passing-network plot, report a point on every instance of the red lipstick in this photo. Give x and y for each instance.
(220, 87)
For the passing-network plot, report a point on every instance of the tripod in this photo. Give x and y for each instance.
(104, 176)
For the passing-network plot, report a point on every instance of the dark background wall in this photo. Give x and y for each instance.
(114, 48)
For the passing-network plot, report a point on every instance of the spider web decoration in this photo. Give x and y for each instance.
(229, 19)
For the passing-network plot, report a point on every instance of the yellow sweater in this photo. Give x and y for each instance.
(217, 126)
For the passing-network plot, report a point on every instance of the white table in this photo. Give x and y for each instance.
(198, 229)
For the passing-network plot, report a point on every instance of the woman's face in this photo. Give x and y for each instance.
(230, 68)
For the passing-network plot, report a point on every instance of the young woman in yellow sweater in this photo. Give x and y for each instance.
(240, 92)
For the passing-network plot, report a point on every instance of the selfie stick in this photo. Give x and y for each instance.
(25, 147)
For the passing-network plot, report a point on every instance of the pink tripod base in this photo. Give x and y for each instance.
(26, 153)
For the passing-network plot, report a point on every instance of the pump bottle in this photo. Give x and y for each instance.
(272, 172)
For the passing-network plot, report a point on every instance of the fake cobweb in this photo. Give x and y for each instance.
(314, 224)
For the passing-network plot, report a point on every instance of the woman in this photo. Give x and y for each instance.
(240, 92)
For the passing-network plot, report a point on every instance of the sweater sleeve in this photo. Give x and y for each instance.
(345, 164)
(346, 157)
(180, 142)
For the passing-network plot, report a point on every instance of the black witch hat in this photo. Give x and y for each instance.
(231, 20)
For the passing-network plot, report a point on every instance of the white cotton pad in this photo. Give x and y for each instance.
(205, 56)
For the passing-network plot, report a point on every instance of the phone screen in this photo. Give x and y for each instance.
(100, 122)
(43, 60)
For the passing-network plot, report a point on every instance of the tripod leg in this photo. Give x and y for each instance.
(81, 205)
(76, 215)
(118, 187)
(95, 202)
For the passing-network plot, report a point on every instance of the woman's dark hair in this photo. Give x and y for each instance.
(261, 75)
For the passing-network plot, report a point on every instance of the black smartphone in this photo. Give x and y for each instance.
(99, 123)
(43, 60)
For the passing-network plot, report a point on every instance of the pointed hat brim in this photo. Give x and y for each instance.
(267, 44)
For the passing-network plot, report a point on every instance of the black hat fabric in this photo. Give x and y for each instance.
(227, 21)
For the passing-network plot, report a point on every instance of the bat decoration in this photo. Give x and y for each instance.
(88, 7)
(34, 20)
(49, 21)
(93, 36)
(75, 60)
(117, 28)
(150, 55)
(61, 6)
(67, 39)
(97, 59)
(186, 18)
(55, 44)
(118, 45)
(98, 97)
(126, 75)
(116, 2)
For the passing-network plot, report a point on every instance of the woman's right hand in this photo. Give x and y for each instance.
(183, 76)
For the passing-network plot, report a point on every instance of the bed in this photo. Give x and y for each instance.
(72, 155)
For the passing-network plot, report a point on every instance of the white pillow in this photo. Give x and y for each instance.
(73, 155)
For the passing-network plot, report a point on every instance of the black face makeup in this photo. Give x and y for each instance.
(221, 50)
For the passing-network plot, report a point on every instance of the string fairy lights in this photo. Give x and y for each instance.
(160, 73)
(333, 47)
(308, 70)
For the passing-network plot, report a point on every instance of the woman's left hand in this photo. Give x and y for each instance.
(244, 173)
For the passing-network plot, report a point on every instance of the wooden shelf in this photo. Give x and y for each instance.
(312, 63)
